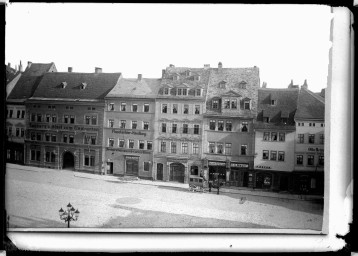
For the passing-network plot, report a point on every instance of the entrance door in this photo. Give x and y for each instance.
(245, 179)
(263, 180)
(177, 172)
(109, 168)
(132, 167)
(159, 171)
(284, 183)
(68, 160)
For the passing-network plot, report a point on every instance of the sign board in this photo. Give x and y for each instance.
(133, 157)
(121, 131)
(239, 165)
(262, 167)
(64, 127)
(315, 149)
(129, 150)
(216, 163)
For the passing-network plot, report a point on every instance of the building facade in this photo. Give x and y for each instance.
(180, 104)
(275, 138)
(129, 127)
(228, 139)
(65, 120)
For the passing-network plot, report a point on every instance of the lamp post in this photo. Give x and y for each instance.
(70, 215)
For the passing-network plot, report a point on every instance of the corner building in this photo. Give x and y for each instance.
(129, 127)
(228, 139)
(65, 120)
(180, 104)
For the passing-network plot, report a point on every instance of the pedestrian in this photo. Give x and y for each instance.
(210, 185)
(102, 169)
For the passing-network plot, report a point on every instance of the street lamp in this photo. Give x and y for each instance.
(70, 215)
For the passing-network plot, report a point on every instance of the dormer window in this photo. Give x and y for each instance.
(63, 85)
(197, 78)
(266, 119)
(185, 91)
(83, 86)
(284, 120)
(242, 85)
(166, 91)
(222, 84)
(273, 102)
(188, 73)
(175, 77)
(234, 104)
(247, 104)
(226, 103)
(215, 104)
(198, 92)
(179, 91)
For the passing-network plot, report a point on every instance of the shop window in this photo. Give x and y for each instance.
(228, 148)
(281, 156)
(227, 103)
(110, 142)
(186, 109)
(212, 125)
(311, 138)
(53, 138)
(123, 106)
(212, 147)
(310, 160)
(146, 166)
(146, 107)
(163, 146)
(321, 160)
(141, 144)
(131, 144)
(173, 147)
(244, 126)
(94, 120)
(233, 104)
(321, 139)
(197, 110)
(243, 150)
(123, 124)
(195, 148)
(93, 140)
(175, 108)
(110, 123)
(164, 127)
(149, 145)
(72, 119)
(111, 106)
(299, 159)
(184, 148)
(65, 137)
(273, 136)
(134, 107)
(301, 138)
(273, 155)
(121, 143)
(134, 125)
(164, 108)
(266, 136)
(145, 125)
(220, 148)
(228, 125)
(281, 136)
(196, 129)
(185, 128)
(174, 128)
(194, 170)
(265, 154)
(220, 125)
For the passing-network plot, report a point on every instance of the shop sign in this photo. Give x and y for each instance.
(177, 160)
(128, 132)
(215, 163)
(262, 167)
(129, 150)
(239, 165)
(64, 127)
(315, 149)
(133, 157)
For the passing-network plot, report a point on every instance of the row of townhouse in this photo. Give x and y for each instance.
(189, 124)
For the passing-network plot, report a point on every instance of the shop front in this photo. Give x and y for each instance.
(217, 168)
(240, 175)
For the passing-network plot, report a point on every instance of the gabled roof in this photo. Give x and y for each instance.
(310, 106)
(98, 85)
(132, 87)
(38, 69)
(230, 93)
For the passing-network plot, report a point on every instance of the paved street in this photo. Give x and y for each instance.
(34, 197)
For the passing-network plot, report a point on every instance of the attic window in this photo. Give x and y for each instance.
(247, 104)
(166, 91)
(198, 92)
(197, 78)
(63, 85)
(175, 77)
(266, 119)
(222, 84)
(284, 120)
(273, 102)
(188, 73)
(242, 85)
(83, 86)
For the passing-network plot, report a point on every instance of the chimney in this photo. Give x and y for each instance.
(29, 64)
(171, 65)
(16, 68)
(70, 69)
(163, 73)
(220, 66)
(139, 77)
(305, 84)
(206, 66)
(9, 65)
(98, 70)
(264, 84)
(20, 67)
(290, 85)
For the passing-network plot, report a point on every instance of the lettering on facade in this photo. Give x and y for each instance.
(262, 167)
(215, 163)
(239, 165)
(133, 157)
(177, 160)
(316, 149)
(128, 132)
(129, 150)
(64, 127)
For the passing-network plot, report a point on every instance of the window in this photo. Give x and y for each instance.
(198, 92)
(17, 132)
(185, 92)
(273, 136)
(134, 124)
(301, 138)
(310, 124)
(184, 148)
(322, 125)
(9, 154)
(110, 123)
(86, 139)
(53, 138)
(93, 140)
(134, 107)
(164, 108)
(266, 119)
(72, 139)
(212, 147)
(18, 114)
(48, 118)
(281, 156)
(65, 119)
(35, 155)
(265, 154)
(10, 113)
(215, 104)
(149, 145)
(110, 142)
(72, 119)
(228, 148)
(197, 110)
(163, 146)
(247, 104)
(39, 118)
(91, 108)
(9, 130)
(94, 120)
(228, 126)
(33, 135)
(38, 136)
(273, 102)
(174, 128)
(321, 160)
(111, 107)
(194, 170)
(22, 114)
(234, 104)
(50, 157)
(166, 91)
(311, 138)
(146, 107)
(121, 143)
(273, 155)
(173, 147)
(22, 132)
(212, 125)
(244, 126)
(220, 148)
(179, 90)
(185, 128)
(299, 159)
(196, 129)
(146, 167)
(141, 144)
(243, 150)
(220, 125)
(33, 117)
(284, 120)
(186, 109)
(123, 124)
(64, 138)
(131, 144)
(195, 148)
(175, 108)
(123, 106)
(89, 160)
(54, 118)
(299, 124)
(164, 127)
(310, 160)
(226, 103)
(321, 139)
(145, 125)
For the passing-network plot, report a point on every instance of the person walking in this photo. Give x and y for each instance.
(102, 169)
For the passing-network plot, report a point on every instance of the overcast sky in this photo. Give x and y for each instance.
(285, 41)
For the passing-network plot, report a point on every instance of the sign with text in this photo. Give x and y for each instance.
(240, 165)
(64, 127)
(315, 149)
(129, 150)
(216, 163)
(128, 132)
(262, 167)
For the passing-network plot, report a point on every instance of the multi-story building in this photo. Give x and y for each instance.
(231, 106)
(129, 127)
(309, 142)
(65, 120)
(275, 138)
(22, 88)
(180, 104)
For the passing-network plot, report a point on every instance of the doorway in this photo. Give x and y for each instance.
(109, 167)
(177, 172)
(245, 179)
(132, 166)
(159, 171)
(68, 160)
(284, 183)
